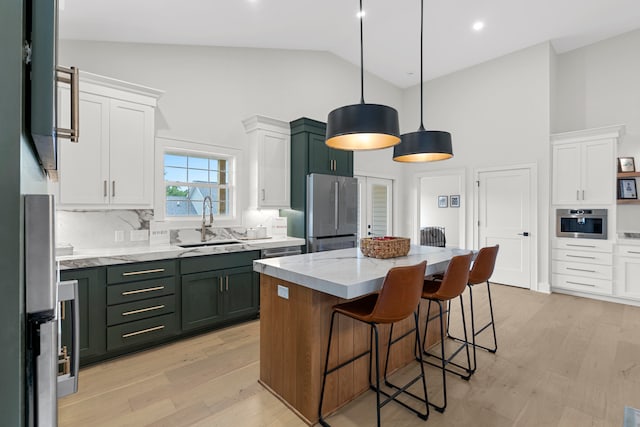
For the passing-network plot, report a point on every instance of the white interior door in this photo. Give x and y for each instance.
(375, 211)
(504, 218)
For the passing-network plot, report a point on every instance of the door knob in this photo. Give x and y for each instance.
(525, 234)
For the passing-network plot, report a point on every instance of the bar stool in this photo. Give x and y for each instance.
(452, 285)
(481, 272)
(396, 300)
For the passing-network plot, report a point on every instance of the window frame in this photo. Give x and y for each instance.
(233, 157)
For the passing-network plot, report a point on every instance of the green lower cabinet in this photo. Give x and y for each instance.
(242, 295)
(92, 295)
(201, 299)
(214, 297)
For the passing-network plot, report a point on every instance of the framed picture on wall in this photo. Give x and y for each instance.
(626, 164)
(454, 200)
(628, 188)
(442, 201)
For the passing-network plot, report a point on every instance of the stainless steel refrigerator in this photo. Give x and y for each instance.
(45, 381)
(332, 212)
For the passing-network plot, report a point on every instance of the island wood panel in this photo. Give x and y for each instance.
(293, 342)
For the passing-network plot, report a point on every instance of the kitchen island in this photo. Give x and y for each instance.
(296, 297)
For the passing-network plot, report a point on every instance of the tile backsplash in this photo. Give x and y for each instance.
(88, 229)
(92, 229)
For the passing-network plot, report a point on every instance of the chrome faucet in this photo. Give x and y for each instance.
(203, 230)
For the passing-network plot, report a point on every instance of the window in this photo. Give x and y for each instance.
(190, 177)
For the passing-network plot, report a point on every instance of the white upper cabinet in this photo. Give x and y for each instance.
(269, 162)
(584, 171)
(111, 166)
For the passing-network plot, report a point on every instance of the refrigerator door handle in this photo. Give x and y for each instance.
(68, 384)
(336, 204)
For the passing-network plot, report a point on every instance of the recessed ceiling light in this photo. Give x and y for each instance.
(478, 25)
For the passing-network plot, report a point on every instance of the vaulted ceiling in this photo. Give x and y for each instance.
(391, 27)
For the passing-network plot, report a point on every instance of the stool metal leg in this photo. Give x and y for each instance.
(416, 332)
(478, 332)
(326, 369)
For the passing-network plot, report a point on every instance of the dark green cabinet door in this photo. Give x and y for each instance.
(241, 294)
(201, 299)
(343, 164)
(92, 290)
(320, 160)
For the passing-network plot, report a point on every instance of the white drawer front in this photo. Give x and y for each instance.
(594, 271)
(583, 245)
(583, 256)
(582, 284)
(629, 251)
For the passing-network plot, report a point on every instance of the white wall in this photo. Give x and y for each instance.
(498, 114)
(599, 85)
(210, 90)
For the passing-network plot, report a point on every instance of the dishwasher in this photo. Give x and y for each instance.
(277, 252)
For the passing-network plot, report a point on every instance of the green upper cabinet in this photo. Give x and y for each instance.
(309, 154)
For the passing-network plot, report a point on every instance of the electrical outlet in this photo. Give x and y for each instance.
(139, 235)
(283, 292)
(159, 237)
(119, 237)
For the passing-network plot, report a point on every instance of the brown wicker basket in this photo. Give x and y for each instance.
(384, 247)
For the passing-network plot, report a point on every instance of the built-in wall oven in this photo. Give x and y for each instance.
(581, 223)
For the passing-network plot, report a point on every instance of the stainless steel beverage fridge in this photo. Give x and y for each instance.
(332, 212)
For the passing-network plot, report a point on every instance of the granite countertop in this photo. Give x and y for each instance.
(346, 273)
(83, 258)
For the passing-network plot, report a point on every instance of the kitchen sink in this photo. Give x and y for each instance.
(206, 244)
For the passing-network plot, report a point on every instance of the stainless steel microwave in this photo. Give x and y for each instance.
(581, 223)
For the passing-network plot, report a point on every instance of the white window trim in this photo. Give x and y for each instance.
(233, 156)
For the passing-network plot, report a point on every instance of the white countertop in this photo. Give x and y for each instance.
(346, 273)
(108, 256)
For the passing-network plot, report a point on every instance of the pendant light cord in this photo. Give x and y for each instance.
(361, 57)
(421, 62)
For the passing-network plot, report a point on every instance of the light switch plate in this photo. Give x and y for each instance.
(283, 292)
(119, 237)
(158, 237)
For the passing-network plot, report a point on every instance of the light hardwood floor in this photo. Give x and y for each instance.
(562, 361)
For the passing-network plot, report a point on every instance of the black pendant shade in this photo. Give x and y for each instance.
(423, 145)
(362, 127)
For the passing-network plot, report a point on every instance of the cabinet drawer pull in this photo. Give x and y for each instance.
(577, 194)
(144, 331)
(581, 246)
(143, 310)
(580, 256)
(136, 273)
(582, 284)
(104, 188)
(220, 283)
(633, 252)
(227, 283)
(580, 269)
(141, 291)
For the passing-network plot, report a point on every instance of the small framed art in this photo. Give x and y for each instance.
(626, 164)
(442, 201)
(627, 189)
(454, 200)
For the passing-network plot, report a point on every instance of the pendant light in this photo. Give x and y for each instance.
(362, 126)
(423, 145)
